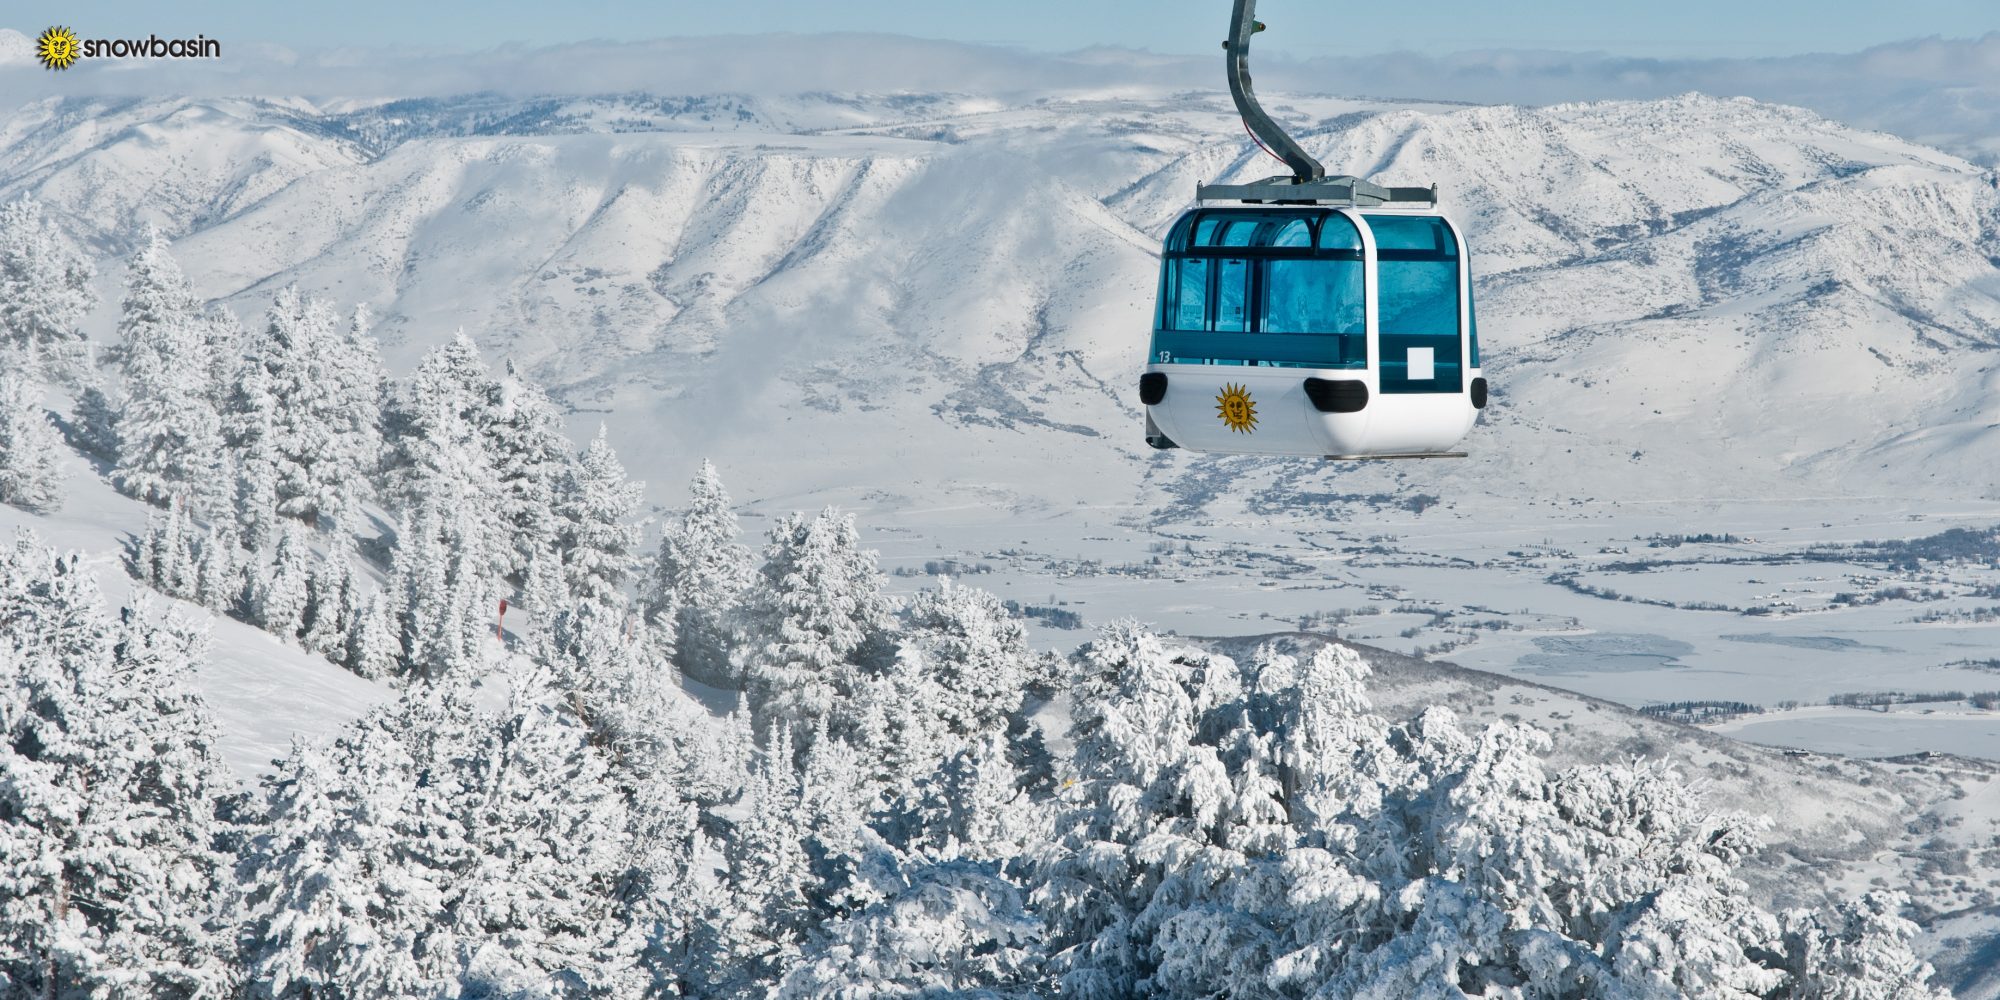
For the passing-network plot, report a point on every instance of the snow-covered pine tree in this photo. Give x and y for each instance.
(218, 569)
(109, 813)
(1860, 950)
(549, 832)
(977, 653)
(972, 807)
(1145, 723)
(420, 582)
(444, 594)
(170, 436)
(350, 867)
(249, 423)
(223, 346)
(45, 287)
(532, 459)
(374, 650)
(324, 427)
(912, 928)
(309, 882)
(30, 462)
(544, 601)
(330, 600)
(764, 907)
(455, 546)
(594, 505)
(297, 348)
(436, 427)
(816, 624)
(361, 389)
(283, 597)
(93, 424)
(165, 557)
(698, 580)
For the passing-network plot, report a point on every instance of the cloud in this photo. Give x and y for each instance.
(1943, 91)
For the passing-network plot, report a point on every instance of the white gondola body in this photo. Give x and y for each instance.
(1420, 389)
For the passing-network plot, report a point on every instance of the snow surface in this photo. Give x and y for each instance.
(265, 693)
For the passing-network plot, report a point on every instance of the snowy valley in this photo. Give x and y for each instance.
(1737, 474)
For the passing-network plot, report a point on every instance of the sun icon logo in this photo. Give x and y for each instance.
(57, 48)
(1236, 408)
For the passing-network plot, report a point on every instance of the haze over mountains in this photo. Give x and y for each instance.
(1691, 297)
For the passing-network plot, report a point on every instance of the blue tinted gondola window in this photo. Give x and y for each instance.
(1292, 295)
(1336, 233)
(1312, 296)
(1191, 299)
(1232, 299)
(1417, 271)
(1472, 314)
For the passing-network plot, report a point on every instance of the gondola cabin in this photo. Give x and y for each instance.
(1301, 329)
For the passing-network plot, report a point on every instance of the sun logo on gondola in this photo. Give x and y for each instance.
(1236, 408)
(57, 48)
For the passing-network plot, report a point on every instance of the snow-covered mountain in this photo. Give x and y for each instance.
(934, 303)
(1690, 297)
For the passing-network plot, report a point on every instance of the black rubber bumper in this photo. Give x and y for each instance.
(1337, 396)
(1152, 388)
(1479, 393)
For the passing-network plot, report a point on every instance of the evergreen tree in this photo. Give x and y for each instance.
(44, 286)
(374, 649)
(361, 389)
(546, 599)
(455, 544)
(598, 546)
(977, 654)
(165, 558)
(972, 807)
(218, 569)
(1860, 950)
(93, 424)
(310, 932)
(297, 351)
(350, 866)
(817, 624)
(764, 909)
(698, 581)
(436, 428)
(532, 459)
(251, 426)
(325, 415)
(420, 583)
(108, 816)
(283, 598)
(223, 347)
(330, 602)
(912, 928)
(170, 436)
(445, 597)
(30, 466)
(550, 836)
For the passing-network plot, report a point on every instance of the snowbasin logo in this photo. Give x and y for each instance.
(56, 48)
(60, 48)
(1237, 410)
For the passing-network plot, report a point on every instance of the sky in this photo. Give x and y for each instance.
(1925, 69)
(1303, 28)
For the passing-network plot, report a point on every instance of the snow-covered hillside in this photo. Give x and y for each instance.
(1691, 297)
